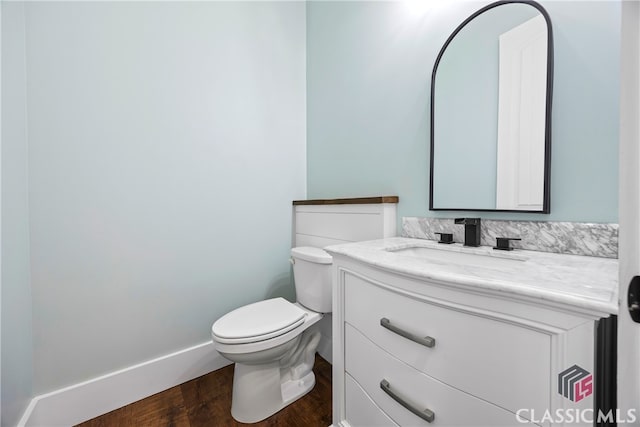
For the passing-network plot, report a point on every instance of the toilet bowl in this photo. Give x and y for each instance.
(273, 342)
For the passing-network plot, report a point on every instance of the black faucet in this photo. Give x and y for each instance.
(471, 230)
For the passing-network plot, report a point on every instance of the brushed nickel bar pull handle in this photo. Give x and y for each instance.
(425, 341)
(426, 414)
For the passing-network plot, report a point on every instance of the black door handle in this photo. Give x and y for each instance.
(633, 299)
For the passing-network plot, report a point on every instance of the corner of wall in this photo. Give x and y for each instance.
(16, 341)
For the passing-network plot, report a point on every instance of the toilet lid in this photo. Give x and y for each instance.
(316, 255)
(258, 321)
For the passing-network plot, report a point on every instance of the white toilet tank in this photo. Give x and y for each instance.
(312, 275)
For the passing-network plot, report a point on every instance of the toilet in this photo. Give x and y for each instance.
(273, 342)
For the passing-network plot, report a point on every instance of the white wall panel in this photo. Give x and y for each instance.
(324, 225)
(349, 223)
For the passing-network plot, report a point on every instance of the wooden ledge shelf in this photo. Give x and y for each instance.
(352, 201)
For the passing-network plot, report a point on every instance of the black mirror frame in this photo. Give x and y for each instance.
(546, 203)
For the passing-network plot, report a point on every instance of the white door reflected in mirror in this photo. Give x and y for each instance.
(521, 117)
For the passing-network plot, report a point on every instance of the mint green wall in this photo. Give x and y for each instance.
(368, 83)
(166, 142)
(15, 295)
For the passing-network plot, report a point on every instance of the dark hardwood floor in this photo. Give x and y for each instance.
(206, 401)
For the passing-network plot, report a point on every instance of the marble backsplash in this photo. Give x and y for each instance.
(574, 238)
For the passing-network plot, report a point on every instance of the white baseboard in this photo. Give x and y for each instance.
(83, 401)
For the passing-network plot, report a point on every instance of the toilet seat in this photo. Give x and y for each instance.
(261, 343)
(259, 321)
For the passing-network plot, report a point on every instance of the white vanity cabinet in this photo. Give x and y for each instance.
(413, 351)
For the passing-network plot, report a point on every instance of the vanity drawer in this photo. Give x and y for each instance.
(479, 355)
(361, 411)
(370, 366)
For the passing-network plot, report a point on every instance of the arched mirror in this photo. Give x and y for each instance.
(491, 92)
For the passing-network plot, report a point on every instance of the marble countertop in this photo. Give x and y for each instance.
(587, 283)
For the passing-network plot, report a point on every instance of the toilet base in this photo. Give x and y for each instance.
(293, 390)
(258, 394)
(260, 391)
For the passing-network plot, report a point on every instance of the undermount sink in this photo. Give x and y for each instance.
(478, 259)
